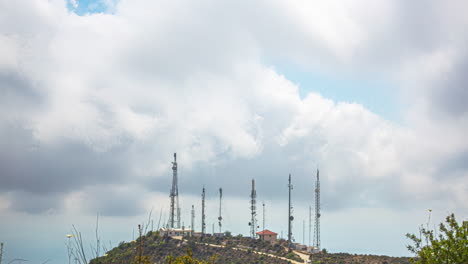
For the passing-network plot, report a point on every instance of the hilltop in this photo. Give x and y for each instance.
(159, 248)
(238, 249)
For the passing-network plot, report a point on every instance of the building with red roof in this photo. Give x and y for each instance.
(268, 235)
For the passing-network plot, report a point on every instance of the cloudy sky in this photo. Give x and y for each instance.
(96, 96)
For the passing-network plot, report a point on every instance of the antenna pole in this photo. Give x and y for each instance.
(220, 218)
(175, 209)
(193, 219)
(1, 252)
(317, 213)
(253, 221)
(290, 217)
(263, 221)
(203, 212)
(310, 223)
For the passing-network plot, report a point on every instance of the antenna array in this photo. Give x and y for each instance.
(203, 212)
(192, 223)
(253, 209)
(220, 218)
(175, 209)
(290, 217)
(317, 213)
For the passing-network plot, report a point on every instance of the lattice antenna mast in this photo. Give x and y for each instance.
(220, 218)
(193, 218)
(263, 221)
(310, 223)
(253, 210)
(317, 213)
(174, 172)
(290, 217)
(175, 209)
(1, 252)
(203, 213)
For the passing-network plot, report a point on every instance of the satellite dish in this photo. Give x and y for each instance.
(291, 218)
(250, 224)
(220, 218)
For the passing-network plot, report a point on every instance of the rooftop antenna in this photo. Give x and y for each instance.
(263, 220)
(193, 218)
(290, 217)
(220, 218)
(253, 212)
(317, 213)
(203, 212)
(175, 209)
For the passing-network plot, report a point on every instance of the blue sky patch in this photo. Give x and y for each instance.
(87, 6)
(377, 95)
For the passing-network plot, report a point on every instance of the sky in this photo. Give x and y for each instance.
(97, 95)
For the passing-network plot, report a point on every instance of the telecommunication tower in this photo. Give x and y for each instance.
(175, 209)
(290, 217)
(220, 218)
(1, 252)
(310, 223)
(253, 210)
(193, 219)
(263, 204)
(317, 213)
(203, 225)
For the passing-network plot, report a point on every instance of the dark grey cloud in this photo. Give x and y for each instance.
(35, 203)
(31, 166)
(48, 172)
(18, 93)
(114, 200)
(453, 165)
(449, 95)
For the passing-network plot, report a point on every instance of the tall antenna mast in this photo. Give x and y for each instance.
(317, 213)
(220, 218)
(1, 252)
(203, 212)
(263, 221)
(253, 208)
(310, 223)
(193, 218)
(290, 217)
(175, 209)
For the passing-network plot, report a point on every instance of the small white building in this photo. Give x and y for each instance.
(175, 232)
(313, 249)
(218, 235)
(299, 246)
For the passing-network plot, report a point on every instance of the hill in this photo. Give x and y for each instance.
(241, 250)
(158, 249)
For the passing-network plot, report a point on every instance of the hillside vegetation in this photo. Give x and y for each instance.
(239, 250)
(159, 249)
